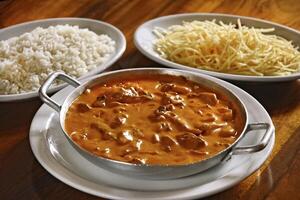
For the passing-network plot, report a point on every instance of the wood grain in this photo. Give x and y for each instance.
(22, 177)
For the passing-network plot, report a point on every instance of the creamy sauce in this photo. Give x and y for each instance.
(159, 120)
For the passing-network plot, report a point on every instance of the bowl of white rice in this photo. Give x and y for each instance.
(30, 51)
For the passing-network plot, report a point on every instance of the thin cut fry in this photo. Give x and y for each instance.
(228, 48)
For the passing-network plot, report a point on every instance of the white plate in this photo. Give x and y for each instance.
(59, 158)
(144, 38)
(96, 26)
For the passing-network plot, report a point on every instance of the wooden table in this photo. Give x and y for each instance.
(22, 177)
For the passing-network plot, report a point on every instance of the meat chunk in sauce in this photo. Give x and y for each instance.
(125, 137)
(158, 114)
(104, 130)
(132, 95)
(167, 142)
(180, 123)
(119, 120)
(227, 131)
(155, 138)
(164, 126)
(82, 107)
(159, 119)
(163, 113)
(122, 95)
(100, 101)
(167, 87)
(206, 97)
(190, 141)
(209, 118)
(205, 126)
(226, 113)
(175, 100)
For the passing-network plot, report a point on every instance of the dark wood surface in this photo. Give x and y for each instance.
(22, 177)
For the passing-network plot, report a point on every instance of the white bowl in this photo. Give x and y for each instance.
(96, 26)
(144, 41)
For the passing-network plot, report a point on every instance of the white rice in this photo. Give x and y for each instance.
(27, 60)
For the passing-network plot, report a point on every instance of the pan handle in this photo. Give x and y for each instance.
(43, 89)
(269, 129)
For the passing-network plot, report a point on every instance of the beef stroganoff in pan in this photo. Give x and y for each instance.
(162, 119)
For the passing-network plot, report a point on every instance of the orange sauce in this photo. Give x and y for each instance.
(157, 120)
